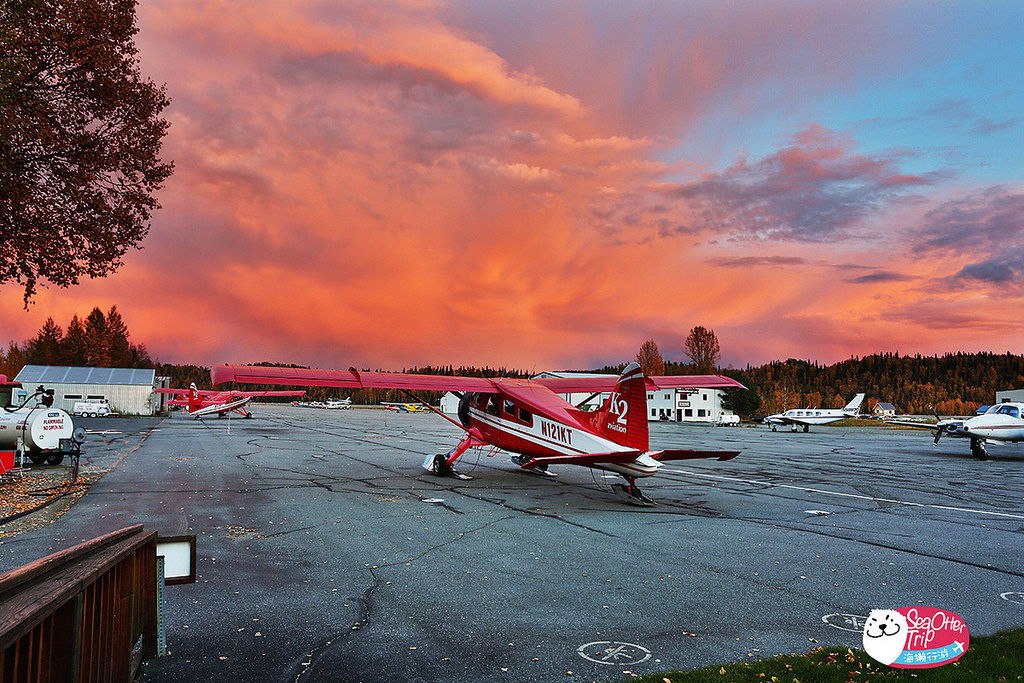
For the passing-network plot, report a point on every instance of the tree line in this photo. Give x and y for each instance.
(954, 383)
(100, 340)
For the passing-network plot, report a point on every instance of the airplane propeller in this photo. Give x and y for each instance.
(938, 420)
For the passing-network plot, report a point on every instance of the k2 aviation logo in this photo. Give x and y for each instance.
(915, 637)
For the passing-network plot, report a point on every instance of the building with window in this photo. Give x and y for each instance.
(1011, 396)
(885, 409)
(686, 405)
(127, 391)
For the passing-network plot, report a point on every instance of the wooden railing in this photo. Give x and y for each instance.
(88, 613)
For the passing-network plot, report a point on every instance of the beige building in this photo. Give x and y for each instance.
(127, 391)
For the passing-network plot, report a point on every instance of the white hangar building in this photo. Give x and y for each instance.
(675, 405)
(1012, 395)
(127, 391)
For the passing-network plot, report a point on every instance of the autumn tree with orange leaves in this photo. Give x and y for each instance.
(702, 347)
(650, 359)
(80, 136)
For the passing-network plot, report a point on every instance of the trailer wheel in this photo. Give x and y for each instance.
(37, 458)
(54, 458)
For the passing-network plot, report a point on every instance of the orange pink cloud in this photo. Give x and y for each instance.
(387, 184)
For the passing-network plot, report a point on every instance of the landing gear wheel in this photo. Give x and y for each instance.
(438, 464)
(54, 458)
(633, 495)
(978, 449)
(521, 461)
(774, 428)
(543, 471)
(248, 416)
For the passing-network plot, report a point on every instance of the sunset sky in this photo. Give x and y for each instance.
(545, 184)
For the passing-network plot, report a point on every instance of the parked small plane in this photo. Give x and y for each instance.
(205, 403)
(404, 407)
(527, 417)
(806, 417)
(1002, 423)
(331, 403)
(338, 404)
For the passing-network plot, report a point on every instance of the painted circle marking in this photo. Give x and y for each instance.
(1013, 596)
(845, 622)
(613, 652)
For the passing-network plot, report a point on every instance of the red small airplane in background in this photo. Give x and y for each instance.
(527, 417)
(205, 403)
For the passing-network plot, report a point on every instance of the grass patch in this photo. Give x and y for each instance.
(857, 422)
(991, 659)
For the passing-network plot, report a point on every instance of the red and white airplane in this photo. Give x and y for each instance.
(205, 403)
(527, 417)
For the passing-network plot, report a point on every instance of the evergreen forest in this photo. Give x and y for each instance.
(954, 383)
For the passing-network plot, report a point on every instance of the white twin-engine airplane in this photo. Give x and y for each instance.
(806, 417)
(1002, 423)
(527, 417)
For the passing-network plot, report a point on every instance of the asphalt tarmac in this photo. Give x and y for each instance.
(326, 553)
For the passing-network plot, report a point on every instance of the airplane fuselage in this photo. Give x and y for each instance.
(511, 426)
(807, 416)
(1002, 422)
(220, 408)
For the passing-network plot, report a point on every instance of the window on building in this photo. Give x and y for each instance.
(689, 412)
(73, 397)
(96, 397)
(701, 412)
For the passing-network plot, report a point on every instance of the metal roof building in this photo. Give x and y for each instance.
(127, 391)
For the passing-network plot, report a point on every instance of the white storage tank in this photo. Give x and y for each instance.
(47, 433)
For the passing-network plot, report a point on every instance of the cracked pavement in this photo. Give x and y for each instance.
(326, 553)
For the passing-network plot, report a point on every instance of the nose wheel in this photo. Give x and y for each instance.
(978, 449)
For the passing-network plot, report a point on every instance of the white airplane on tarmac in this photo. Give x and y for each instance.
(806, 417)
(1002, 423)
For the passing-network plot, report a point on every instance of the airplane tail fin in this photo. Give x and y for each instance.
(194, 403)
(623, 417)
(853, 407)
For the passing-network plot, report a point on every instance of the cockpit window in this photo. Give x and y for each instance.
(1012, 411)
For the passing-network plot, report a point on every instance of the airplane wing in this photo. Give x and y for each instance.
(267, 393)
(350, 379)
(214, 395)
(664, 456)
(567, 385)
(584, 459)
(915, 425)
(355, 379)
(626, 456)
